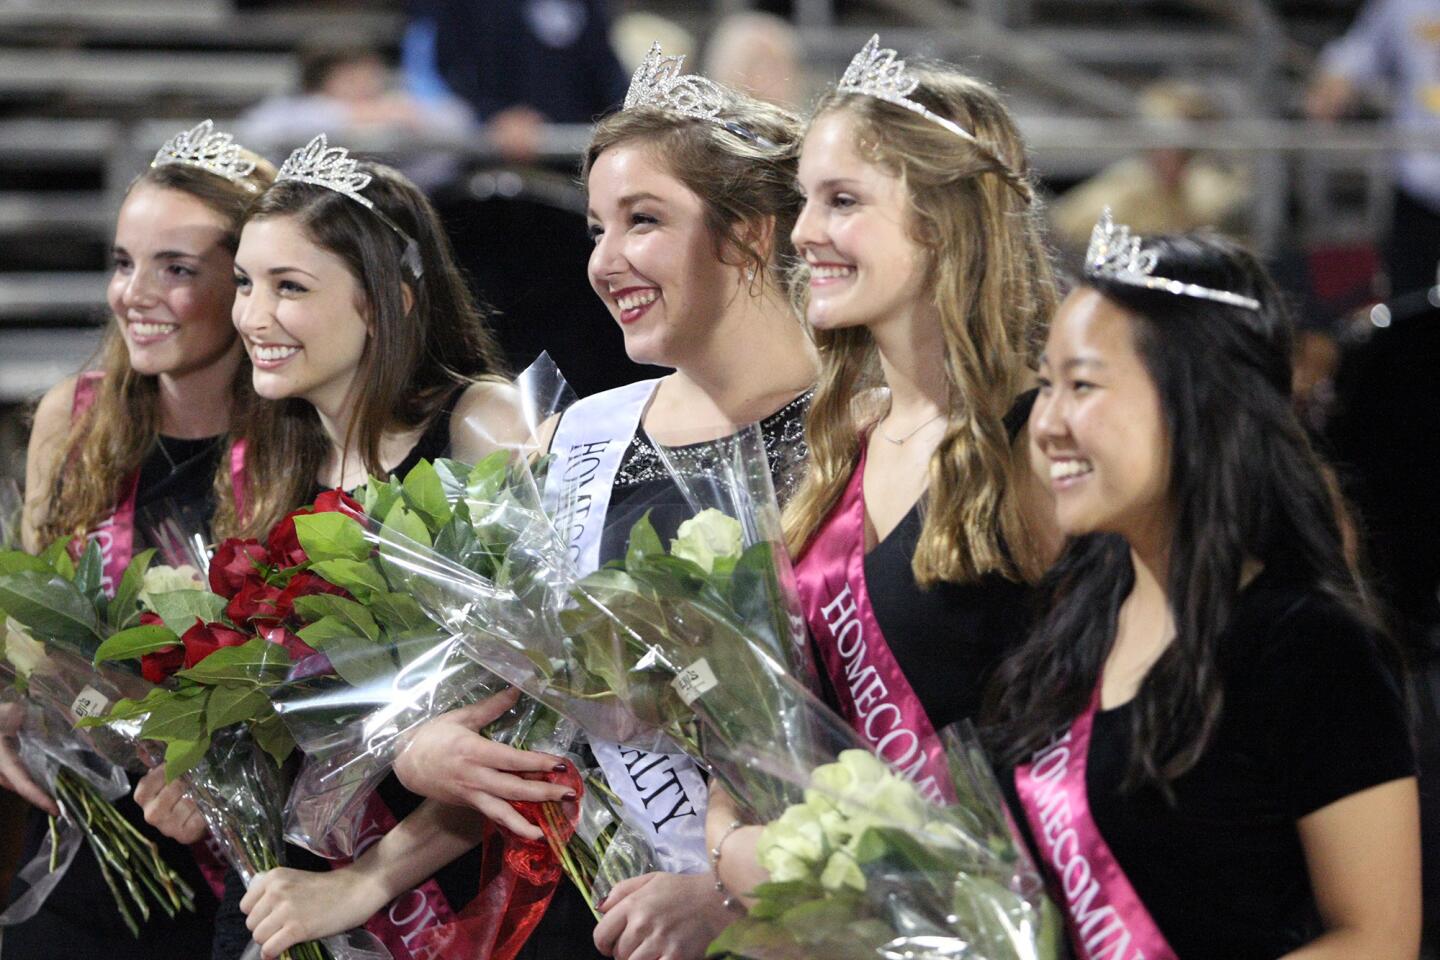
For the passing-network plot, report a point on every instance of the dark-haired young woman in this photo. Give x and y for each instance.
(1203, 739)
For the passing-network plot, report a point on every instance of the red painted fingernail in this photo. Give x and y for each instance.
(569, 794)
(559, 768)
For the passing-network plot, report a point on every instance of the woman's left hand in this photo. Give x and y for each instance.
(662, 916)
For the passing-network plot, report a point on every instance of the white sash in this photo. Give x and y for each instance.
(663, 793)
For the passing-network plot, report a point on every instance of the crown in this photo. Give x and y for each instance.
(319, 164)
(206, 149)
(657, 83)
(1117, 254)
(877, 72)
(325, 166)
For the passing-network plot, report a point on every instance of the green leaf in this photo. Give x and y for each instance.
(426, 495)
(128, 709)
(331, 536)
(352, 642)
(257, 661)
(235, 703)
(353, 615)
(403, 521)
(644, 542)
(181, 608)
(180, 716)
(57, 558)
(181, 756)
(272, 736)
(379, 496)
(360, 577)
(124, 610)
(398, 611)
(90, 571)
(454, 478)
(13, 561)
(135, 643)
(487, 477)
(51, 607)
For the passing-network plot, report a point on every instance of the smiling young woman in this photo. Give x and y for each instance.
(145, 428)
(1202, 737)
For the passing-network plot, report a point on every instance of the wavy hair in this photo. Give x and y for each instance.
(1245, 485)
(972, 209)
(418, 357)
(110, 440)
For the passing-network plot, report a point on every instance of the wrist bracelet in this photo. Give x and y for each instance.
(730, 901)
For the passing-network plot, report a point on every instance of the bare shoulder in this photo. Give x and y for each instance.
(488, 416)
(52, 416)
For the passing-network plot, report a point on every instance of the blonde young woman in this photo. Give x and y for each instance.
(690, 209)
(148, 426)
(927, 285)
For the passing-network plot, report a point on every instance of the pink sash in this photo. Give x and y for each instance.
(403, 924)
(1106, 918)
(873, 694)
(116, 533)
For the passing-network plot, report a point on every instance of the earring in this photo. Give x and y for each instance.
(750, 274)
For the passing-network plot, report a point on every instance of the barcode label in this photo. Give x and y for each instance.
(695, 681)
(90, 703)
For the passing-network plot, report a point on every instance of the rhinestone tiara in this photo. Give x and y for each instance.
(877, 72)
(319, 164)
(205, 148)
(1116, 254)
(657, 83)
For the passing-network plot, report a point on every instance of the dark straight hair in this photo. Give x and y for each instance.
(1245, 484)
(416, 359)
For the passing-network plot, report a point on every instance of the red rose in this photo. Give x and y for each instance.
(255, 603)
(338, 501)
(148, 619)
(297, 648)
(284, 543)
(204, 639)
(305, 584)
(235, 562)
(159, 665)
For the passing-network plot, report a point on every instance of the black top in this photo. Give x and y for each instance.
(79, 918)
(643, 483)
(1311, 716)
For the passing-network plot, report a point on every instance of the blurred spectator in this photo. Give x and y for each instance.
(1165, 190)
(634, 32)
(520, 63)
(1395, 43)
(350, 90)
(758, 53)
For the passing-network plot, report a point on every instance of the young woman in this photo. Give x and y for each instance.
(691, 200)
(1208, 751)
(145, 428)
(365, 339)
(927, 284)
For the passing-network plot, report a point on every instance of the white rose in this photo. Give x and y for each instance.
(23, 651)
(707, 537)
(163, 579)
(842, 871)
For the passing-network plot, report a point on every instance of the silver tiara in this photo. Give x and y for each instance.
(657, 83)
(876, 72)
(333, 168)
(1116, 254)
(204, 148)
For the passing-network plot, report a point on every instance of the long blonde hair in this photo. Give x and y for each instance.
(990, 279)
(109, 441)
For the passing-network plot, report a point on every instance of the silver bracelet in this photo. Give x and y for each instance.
(730, 901)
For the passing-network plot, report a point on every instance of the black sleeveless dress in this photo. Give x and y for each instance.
(79, 918)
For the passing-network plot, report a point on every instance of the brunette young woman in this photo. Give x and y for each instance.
(691, 202)
(146, 427)
(1203, 737)
(927, 284)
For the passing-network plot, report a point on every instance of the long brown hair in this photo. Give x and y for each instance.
(109, 441)
(419, 355)
(990, 280)
(741, 166)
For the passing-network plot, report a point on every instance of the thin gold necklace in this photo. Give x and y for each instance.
(912, 432)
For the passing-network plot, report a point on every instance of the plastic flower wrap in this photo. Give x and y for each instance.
(60, 615)
(864, 866)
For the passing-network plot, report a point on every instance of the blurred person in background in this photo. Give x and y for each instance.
(1395, 44)
(758, 53)
(1163, 190)
(522, 63)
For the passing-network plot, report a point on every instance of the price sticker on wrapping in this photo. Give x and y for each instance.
(695, 681)
(90, 703)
